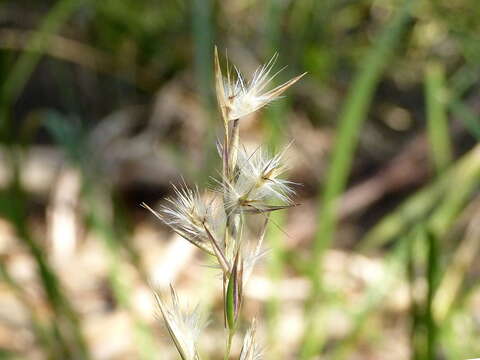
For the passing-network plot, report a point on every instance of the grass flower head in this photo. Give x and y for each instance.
(184, 327)
(193, 217)
(250, 348)
(239, 98)
(258, 183)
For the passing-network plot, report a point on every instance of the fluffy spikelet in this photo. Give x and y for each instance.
(184, 327)
(250, 348)
(258, 183)
(238, 98)
(190, 215)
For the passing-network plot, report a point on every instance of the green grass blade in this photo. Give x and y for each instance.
(470, 119)
(465, 172)
(203, 40)
(202, 33)
(463, 259)
(436, 114)
(433, 275)
(23, 68)
(351, 119)
(462, 80)
(464, 182)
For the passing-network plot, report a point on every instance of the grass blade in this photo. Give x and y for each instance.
(351, 119)
(23, 68)
(466, 171)
(436, 114)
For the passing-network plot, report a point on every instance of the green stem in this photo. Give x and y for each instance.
(437, 120)
(229, 344)
(432, 280)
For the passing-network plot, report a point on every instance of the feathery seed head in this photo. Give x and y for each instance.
(183, 326)
(250, 183)
(250, 348)
(257, 182)
(190, 215)
(238, 98)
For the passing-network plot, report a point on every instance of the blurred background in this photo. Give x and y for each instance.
(105, 104)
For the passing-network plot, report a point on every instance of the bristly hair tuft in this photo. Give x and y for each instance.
(239, 98)
(258, 183)
(184, 326)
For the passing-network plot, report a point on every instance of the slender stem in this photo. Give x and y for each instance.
(225, 155)
(437, 117)
(229, 162)
(230, 148)
(231, 332)
(233, 148)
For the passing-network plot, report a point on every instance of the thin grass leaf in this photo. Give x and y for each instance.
(465, 171)
(463, 259)
(469, 118)
(437, 120)
(352, 116)
(25, 65)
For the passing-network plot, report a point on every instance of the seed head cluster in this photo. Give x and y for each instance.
(214, 221)
(193, 217)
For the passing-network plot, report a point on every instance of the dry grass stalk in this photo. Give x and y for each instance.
(251, 184)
